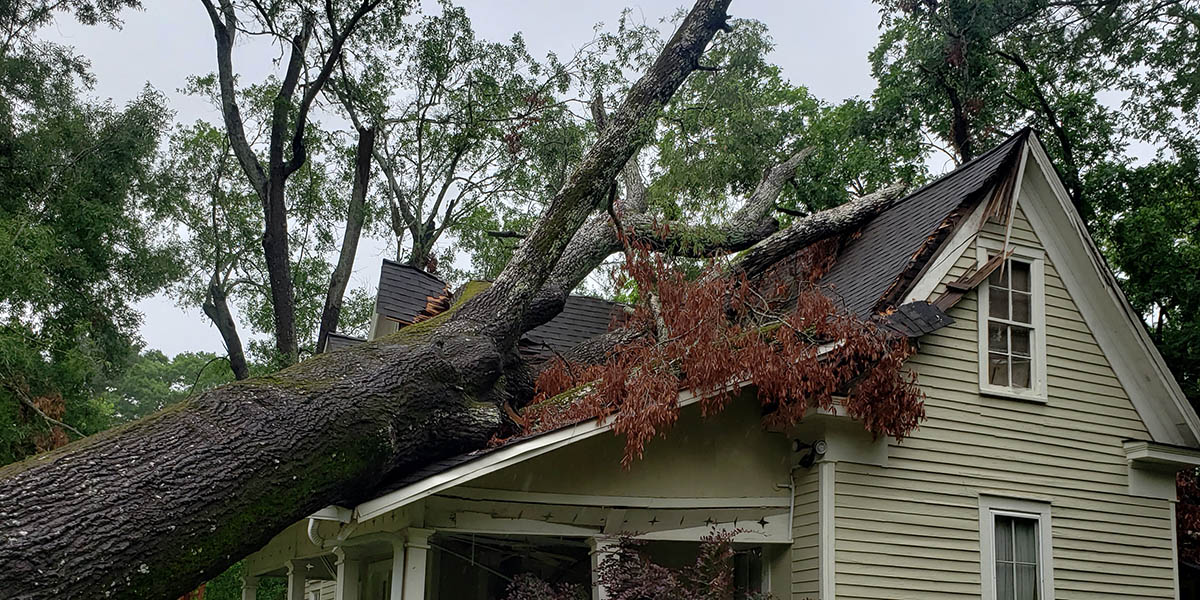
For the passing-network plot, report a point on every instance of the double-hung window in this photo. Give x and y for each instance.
(1015, 549)
(1012, 325)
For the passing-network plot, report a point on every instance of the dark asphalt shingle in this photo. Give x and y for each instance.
(869, 265)
(404, 291)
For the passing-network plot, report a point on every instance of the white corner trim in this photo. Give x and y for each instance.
(491, 462)
(1037, 273)
(826, 574)
(1150, 453)
(334, 512)
(951, 251)
(989, 508)
(1154, 392)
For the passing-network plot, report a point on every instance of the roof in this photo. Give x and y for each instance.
(881, 264)
(581, 319)
(408, 293)
(895, 244)
(337, 341)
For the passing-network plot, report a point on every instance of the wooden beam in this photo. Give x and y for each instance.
(623, 502)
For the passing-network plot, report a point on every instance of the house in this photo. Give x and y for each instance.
(1045, 468)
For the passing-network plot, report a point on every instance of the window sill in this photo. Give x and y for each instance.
(1013, 394)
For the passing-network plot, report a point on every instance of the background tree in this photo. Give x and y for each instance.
(219, 218)
(75, 248)
(313, 35)
(452, 111)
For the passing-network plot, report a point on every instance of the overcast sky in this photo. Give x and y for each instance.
(822, 44)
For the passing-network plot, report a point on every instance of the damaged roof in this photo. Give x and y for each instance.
(875, 268)
(871, 270)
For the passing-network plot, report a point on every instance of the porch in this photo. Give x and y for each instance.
(473, 542)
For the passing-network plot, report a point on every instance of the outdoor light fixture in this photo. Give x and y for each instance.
(815, 449)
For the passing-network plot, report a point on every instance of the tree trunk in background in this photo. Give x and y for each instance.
(356, 214)
(216, 307)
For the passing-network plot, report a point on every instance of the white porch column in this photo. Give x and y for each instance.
(348, 571)
(295, 580)
(249, 587)
(416, 559)
(600, 547)
(397, 591)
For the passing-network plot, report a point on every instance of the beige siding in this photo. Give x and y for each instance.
(806, 536)
(324, 589)
(910, 530)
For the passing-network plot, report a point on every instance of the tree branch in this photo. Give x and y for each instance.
(498, 312)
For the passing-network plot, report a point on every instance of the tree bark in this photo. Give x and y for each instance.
(355, 217)
(285, 133)
(216, 307)
(152, 509)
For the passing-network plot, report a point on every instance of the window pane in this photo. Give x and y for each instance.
(1021, 374)
(1020, 307)
(998, 302)
(1005, 589)
(1020, 276)
(1004, 539)
(997, 369)
(1025, 584)
(999, 277)
(997, 337)
(1020, 340)
(1025, 540)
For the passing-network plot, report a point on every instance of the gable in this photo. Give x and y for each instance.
(725, 455)
(1088, 319)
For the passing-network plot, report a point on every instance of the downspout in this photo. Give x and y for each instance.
(791, 488)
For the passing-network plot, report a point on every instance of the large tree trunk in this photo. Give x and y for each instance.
(152, 509)
(356, 214)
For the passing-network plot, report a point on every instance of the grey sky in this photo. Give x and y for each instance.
(822, 44)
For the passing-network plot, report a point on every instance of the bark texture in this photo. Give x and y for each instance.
(355, 216)
(152, 509)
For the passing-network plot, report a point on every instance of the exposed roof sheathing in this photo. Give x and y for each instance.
(406, 292)
(902, 238)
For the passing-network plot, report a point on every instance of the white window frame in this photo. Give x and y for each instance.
(1037, 273)
(992, 506)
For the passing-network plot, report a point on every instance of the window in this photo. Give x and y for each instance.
(1016, 558)
(1015, 549)
(1012, 325)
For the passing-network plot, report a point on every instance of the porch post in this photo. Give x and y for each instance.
(295, 580)
(348, 569)
(600, 549)
(249, 587)
(397, 591)
(416, 562)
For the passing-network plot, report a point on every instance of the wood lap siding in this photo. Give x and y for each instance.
(806, 536)
(911, 530)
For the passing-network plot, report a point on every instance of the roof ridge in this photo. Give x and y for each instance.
(957, 171)
(415, 270)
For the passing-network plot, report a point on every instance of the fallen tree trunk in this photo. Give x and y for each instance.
(153, 509)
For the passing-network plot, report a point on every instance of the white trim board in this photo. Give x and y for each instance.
(1155, 394)
(472, 493)
(989, 508)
